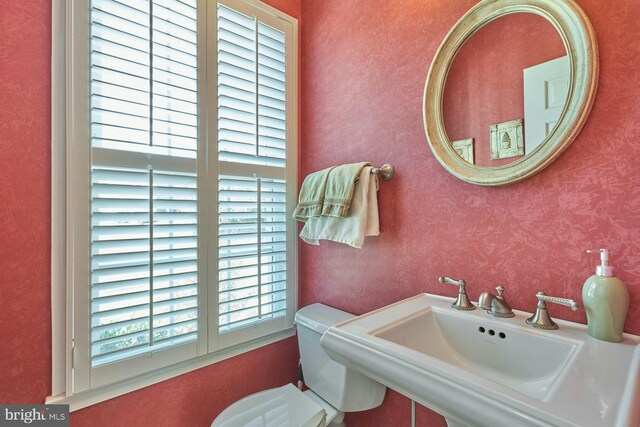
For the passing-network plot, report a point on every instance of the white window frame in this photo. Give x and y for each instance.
(65, 201)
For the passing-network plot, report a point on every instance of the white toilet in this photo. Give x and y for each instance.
(333, 389)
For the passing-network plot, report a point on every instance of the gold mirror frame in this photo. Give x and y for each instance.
(579, 40)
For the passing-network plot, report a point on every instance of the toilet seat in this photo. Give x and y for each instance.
(277, 407)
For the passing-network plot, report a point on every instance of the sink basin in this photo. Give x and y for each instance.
(478, 370)
(519, 359)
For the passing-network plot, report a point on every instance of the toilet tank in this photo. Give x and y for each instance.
(343, 388)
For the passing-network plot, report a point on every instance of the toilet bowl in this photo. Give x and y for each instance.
(279, 407)
(333, 388)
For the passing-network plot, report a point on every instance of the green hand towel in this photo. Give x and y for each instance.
(339, 189)
(311, 195)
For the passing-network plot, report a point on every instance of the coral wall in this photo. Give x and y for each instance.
(364, 69)
(25, 181)
(193, 399)
(364, 63)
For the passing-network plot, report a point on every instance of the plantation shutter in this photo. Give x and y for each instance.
(252, 187)
(180, 181)
(144, 184)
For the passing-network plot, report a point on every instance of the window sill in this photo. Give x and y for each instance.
(91, 397)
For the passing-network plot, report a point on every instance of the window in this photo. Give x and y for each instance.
(180, 183)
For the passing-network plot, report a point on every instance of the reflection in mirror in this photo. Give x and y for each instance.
(506, 89)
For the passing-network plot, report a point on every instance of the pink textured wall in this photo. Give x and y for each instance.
(25, 199)
(485, 82)
(193, 399)
(364, 65)
(363, 75)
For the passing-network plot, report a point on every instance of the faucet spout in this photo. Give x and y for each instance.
(484, 302)
(495, 305)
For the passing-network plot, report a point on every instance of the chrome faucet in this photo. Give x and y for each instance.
(541, 317)
(495, 305)
(462, 302)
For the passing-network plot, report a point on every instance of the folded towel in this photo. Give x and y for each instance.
(311, 195)
(339, 189)
(363, 221)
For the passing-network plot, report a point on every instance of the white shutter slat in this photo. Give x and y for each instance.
(138, 123)
(170, 90)
(98, 331)
(169, 54)
(185, 83)
(250, 259)
(113, 49)
(237, 49)
(134, 285)
(267, 92)
(174, 25)
(169, 116)
(130, 340)
(234, 74)
(167, 104)
(272, 37)
(274, 113)
(122, 7)
(239, 250)
(228, 18)
(238, 295)
(252, 299)
(120, 78)
(270, 66)
(165, 39)
(103, 103)
(186, 8)
(182, 329)
(122, 32)
(170, 64)
(136, 65)
(272, 103)
(115, 315)
(120, 301)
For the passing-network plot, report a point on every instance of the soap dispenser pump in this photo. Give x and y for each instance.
(606, 301)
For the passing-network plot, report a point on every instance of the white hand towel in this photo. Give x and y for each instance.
(363, 219)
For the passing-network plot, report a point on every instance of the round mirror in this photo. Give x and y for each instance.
(510, 88)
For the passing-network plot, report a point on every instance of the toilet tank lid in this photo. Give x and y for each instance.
(319, 317)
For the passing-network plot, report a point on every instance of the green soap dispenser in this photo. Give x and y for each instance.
(606, 300)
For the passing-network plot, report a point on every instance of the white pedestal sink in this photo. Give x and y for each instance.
(478, 370)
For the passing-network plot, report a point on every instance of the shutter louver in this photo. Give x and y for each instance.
(144, 235)
(252, 250)
(252, 231)
(251, 91)
(144, 261)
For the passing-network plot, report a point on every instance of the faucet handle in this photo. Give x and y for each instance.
(449, 280)
(541, 317)
(462, 302)
(500, 290)
(562, 301)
